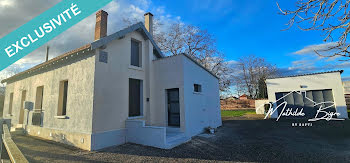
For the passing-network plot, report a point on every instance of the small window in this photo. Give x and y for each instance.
(11, 103)
(39, 98)
(136, 53)
(62, 98)
(197, 88)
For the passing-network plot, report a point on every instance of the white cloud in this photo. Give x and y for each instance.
(231, 63)
(6, 3)
(317, 47)
(77, 36)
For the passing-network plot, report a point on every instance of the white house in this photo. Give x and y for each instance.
(308, 91)
(118, 89)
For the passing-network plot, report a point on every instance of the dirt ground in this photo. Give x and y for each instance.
(242, 139)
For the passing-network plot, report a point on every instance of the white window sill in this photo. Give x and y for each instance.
(61, 117)
(9, 115)
(198, 93)
(135, 68)
(137, 117)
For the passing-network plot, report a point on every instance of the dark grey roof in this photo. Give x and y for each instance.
(96, 44)
(316, 73)
(120, 34)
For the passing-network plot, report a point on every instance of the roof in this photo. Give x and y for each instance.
(244, 95)
(96, 44)
(317, 73)
(51, 61)
(120, 34)
(193, 60)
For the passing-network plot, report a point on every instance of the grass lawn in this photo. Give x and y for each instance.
(236, 113)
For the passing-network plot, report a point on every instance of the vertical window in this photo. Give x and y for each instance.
(197, 88)
(135, 97)
(62, 98)
(21, 109)
(136, 53)
(11, 103)
(39, 98)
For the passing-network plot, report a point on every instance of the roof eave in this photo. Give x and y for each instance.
(120, 34)
(317, 73)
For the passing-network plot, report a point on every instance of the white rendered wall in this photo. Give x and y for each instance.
(80, 75)
(202, 109)
(168, 74)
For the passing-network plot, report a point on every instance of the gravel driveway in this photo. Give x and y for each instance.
(238, 140)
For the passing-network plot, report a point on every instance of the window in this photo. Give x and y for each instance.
(39, 98)
(11, 102)
(197, 88)
(136, 53)
(62, 98)
(135, 97)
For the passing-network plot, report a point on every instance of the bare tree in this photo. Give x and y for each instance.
(252, 72)
(197, 43)
(10, 71)
(175, 38)
(330, 16)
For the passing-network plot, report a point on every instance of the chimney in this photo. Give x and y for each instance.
(101, 24)
(149, 22)
(47, 53)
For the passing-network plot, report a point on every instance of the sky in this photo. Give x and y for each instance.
(240, 28)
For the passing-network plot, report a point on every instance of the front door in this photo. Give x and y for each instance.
(173, 107)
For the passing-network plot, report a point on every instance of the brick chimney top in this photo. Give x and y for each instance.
(149, 22)
(148, 13)
(101, 24)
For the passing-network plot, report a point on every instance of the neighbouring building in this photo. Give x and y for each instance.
(118, 89)
(308, 91)
(243, 97)
(346, 86)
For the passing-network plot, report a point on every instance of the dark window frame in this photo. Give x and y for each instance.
(135, 98)
(137, 62)
(197, 88)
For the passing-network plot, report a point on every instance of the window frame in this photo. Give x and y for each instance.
(63, 98)
(139, 54)
(197, 89)
(141, 99)
(11, 103)
(39, 107)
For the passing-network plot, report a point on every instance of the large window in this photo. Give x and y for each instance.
(62, 99)
(135, 97)
(11, 103)
(136, 58)
(39, 98)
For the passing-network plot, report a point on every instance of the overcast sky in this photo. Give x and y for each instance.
(240, 28)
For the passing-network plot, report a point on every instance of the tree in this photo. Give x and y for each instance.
(252, 71)
(198, 44)
(10, 71)
(176, 38)
(330, 16)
